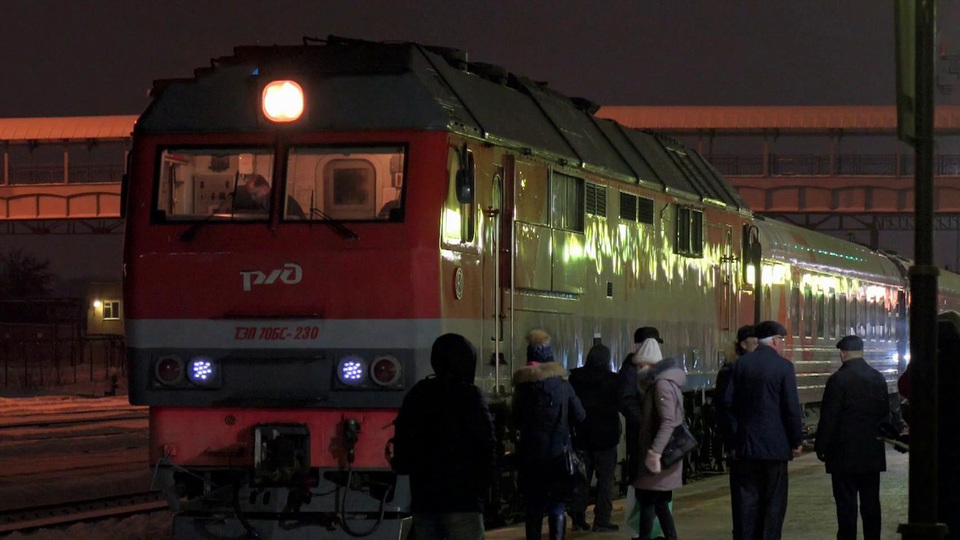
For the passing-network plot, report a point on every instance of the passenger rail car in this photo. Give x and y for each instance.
(303, 222)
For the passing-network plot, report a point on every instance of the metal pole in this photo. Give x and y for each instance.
(923, 311)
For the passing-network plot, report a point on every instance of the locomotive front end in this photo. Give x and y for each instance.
(281, 289)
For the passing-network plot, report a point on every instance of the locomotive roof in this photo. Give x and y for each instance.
(362, 85)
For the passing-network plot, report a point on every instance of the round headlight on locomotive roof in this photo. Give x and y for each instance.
(386, 370)
(169, 370)
(282, 101)
(201, 370)
(352, 370)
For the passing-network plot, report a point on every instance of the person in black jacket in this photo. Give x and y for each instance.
(763, 411)
(444, 440)
(855, 403)
(631, 402)
(597, 436)
(746, 343)
(544, 407)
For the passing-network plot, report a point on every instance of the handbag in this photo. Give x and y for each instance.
(681, 443)
(573, 467)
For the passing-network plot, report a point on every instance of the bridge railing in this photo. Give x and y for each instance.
(820, 165)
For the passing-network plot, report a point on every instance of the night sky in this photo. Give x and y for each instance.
(96, 57)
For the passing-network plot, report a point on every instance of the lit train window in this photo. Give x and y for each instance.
(795, 311)
(458, 219)
(566, 194)
(221, 184)
(842, 316)
(345, 183)
(821, 315)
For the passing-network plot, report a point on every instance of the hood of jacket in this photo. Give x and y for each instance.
(668, 368)
(538, 372)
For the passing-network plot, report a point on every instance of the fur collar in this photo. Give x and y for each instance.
(538, 372)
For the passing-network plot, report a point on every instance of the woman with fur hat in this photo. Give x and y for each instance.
(661, 380)
(544, 407)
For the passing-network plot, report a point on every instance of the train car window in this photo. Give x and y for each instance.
(339, 183)
(566, 193)
(855, 326)
(689, 239)
(532, 185)
(832, 316)
(795, 311)
(458, 218)
(807, 313)
(842, 316)
(221, 184)
(821, 316)
(596, 200)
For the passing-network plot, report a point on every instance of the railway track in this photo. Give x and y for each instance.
(57, 515)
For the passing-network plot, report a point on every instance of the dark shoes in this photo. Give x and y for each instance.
(609, 527)
(579, 524)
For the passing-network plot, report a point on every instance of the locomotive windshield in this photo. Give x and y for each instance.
(356, 183)
(222, 183)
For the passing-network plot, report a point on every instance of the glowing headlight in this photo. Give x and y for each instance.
(282, 101)
(201, 370)
(352, 370)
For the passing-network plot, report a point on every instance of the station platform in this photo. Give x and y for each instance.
(702, 508)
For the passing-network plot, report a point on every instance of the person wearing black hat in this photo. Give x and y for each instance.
(855, 403)
(444, 440)
(762, 408)
(544, 408)
(746, 342)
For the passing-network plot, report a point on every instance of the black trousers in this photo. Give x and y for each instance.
(655, 503)
(762, 486)
(846, 487)
(603, 463)
(736, 507)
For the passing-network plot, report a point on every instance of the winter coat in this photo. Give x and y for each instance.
(723, 380)
(598, 389)
(762, 406)
(662, 412)
(444, 440)
(631, 405)
(540, 390)
(855, 402)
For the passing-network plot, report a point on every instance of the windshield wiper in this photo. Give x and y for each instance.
(191, 233)
(341, 229)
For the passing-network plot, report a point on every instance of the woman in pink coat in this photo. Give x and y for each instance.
(661, 381)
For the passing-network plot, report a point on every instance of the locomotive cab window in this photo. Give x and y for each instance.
(344, 184)
(214, 184)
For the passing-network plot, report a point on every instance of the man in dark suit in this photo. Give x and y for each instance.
(763, 412)
(855, 403)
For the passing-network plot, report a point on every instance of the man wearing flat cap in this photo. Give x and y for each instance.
(855, 403)
(766, 431)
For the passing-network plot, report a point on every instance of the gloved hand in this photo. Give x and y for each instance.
(652, 461)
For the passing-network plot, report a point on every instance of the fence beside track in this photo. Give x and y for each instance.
(40, 362)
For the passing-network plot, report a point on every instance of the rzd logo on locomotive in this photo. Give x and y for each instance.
(291, 274)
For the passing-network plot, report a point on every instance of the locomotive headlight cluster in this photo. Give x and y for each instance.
(202, 371)
(282, 101)
(199, 371)
(385, 371)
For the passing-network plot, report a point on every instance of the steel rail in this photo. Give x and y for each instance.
(56, 515)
